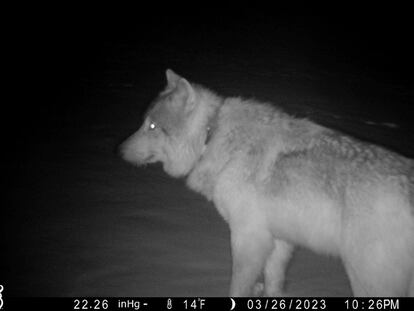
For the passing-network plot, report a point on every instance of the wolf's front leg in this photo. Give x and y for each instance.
(251, 245)
(275, 269)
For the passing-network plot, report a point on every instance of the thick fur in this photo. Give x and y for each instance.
(280, 181)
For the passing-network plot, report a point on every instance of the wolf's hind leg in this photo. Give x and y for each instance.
(411, 288)
(378, 272)
(275, 269)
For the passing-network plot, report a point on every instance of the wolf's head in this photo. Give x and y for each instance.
(175, 128)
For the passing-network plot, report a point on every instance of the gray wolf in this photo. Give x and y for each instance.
(281, 181)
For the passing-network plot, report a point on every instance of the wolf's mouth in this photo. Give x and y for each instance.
(149, 159)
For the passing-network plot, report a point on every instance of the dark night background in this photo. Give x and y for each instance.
(78, 221)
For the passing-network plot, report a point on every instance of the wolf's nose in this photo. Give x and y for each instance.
(120, 150)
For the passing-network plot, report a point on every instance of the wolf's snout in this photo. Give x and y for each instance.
(131, 153)
(127, 153)
(119, 150)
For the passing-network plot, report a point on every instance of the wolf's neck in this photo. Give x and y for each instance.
(211, 104)
(212, 124)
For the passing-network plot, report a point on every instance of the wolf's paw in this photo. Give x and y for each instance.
(258, 289)
(274, 292)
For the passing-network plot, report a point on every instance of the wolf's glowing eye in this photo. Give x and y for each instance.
(152, 126)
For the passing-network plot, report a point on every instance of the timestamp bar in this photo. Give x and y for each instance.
(205, 304)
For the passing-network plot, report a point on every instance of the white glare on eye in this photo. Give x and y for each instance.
(152, 125)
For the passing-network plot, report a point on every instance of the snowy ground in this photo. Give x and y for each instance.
(82, 222)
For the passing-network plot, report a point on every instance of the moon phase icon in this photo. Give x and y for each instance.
(233, 304)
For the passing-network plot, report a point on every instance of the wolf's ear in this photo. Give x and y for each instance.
(176, 81)
(188, 90)
(172, 78)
